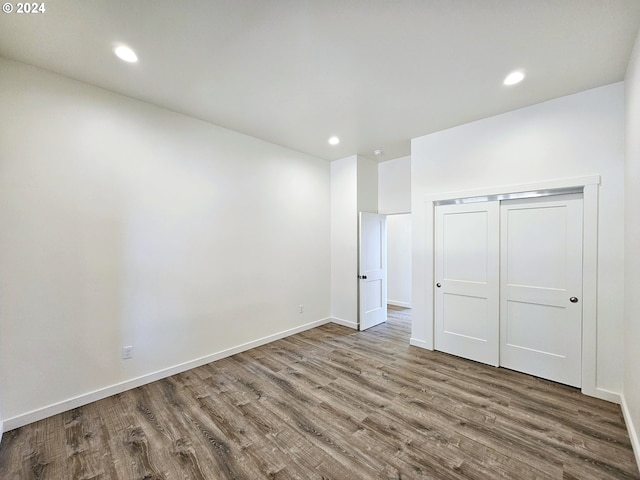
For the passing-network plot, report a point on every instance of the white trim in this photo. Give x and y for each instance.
(590, 294)
(590, 186)
(398, 304)
(521, 187)
(344, 323)
(512, 196)
(633, 433)
(420, 343)
(429, 274)
(603, 394)
(393, 212)
(84, 399)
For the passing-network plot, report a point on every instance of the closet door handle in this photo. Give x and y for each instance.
(438, 284)
(573, 299)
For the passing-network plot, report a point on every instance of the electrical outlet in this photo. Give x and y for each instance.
(301, 308)
(127, 352)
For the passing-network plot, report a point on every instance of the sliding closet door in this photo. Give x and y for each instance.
(541, 287)
(467, 284)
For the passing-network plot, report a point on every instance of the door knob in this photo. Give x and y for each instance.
(438, 285)
(362, 277)
(573, 299)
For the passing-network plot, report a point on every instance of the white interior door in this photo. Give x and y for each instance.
(467, 284)
(372, 292)
(541, 286)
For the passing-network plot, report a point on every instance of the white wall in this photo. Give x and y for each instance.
(631, 391)
(399, 260)
(354, 188)
(367, 174)
(394, 197)
(126, 224)
(344, 245)
(394, 186)
(573, 136)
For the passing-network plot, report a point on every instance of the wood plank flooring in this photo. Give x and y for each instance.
(332, 403)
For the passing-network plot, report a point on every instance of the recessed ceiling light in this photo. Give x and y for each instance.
(513, 78)
(334, 141)
(125, 53)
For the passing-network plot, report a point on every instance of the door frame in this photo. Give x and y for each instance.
(590, 187)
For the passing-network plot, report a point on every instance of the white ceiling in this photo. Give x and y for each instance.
(294, 72)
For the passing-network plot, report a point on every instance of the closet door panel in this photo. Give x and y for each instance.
(467, 284)
(541, 286)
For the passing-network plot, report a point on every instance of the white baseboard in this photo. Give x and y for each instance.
(419, 343)
(84, 399)
(1, 430)
(602, 394)
(396, 303)
(633, 433)
(344, 323)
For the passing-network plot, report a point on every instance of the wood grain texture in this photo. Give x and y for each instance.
(332, 403)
